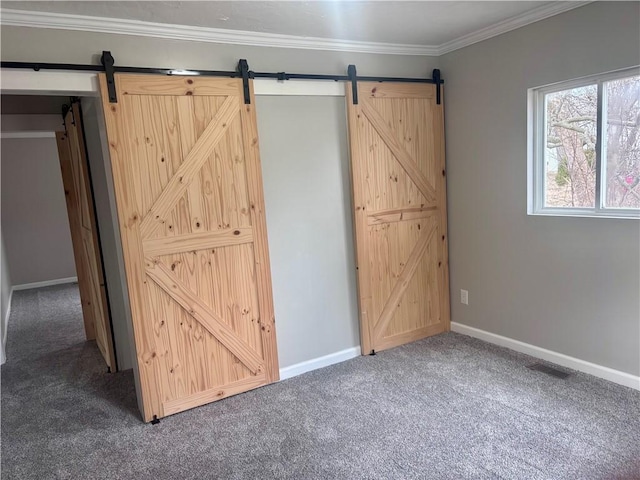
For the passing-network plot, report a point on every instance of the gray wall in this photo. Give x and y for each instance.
(35, 225)
(566, 284)
(5, 297)
(305, 167)
(106, 217)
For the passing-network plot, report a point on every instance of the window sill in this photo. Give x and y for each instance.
(584, 214)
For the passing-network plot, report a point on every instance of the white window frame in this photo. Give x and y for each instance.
(537, 140)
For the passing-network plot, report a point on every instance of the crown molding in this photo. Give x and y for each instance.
(34, 19)
(532, 16)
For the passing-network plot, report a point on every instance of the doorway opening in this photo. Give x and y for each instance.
(60, 269)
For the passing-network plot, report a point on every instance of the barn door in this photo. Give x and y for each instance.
(84, 234)
(186, 167)
(397, 156)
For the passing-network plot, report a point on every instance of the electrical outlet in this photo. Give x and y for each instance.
(464, 297)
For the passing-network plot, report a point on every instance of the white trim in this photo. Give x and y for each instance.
(561, 359)
(6, 319)
(49, 82)
(266, 86)
(20, 81)
(36, 134)
(46, 283)
(5, 328)
(513, 23)
(34, 19)
(320, 362)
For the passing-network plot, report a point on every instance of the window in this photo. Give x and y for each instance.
(584, 157)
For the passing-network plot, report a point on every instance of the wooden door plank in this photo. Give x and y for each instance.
(443, 235)
(84, 234)
(410, 336)
(359, 148)
(72, 199)
(190, 167)
(119, 127)
(94, 270)
(399, 214)
(131, 84)
(154, 247)
(403, 281)
(395, 90)
(259, 223)
(188, 138)
(195, 307)
(403, 157)
(213, 394)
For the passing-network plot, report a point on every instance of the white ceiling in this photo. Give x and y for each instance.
(425, 23)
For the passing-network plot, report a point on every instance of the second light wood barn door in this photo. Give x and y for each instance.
(74, 166)
(189, 195)
(398, 175)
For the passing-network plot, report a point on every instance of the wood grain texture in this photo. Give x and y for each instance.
(196, 260)
(402, 282)
(131, 84)
(403, 157)
(443, 240)
(119, 127)
(84, 234)
(396, 90)
(213, 394)
(396, 141)
(72, 194)
(259, 222)
(198, 241)
(199, 310)
(190, 167)
(399, 214)
(359, 187)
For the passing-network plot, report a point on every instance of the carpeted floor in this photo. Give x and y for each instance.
(449, 407)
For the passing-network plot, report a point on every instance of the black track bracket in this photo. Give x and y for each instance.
(108, 62)
(437, 79)
(353, 78)
(64, 110)
(243, 70)
(373, 352)
(155, 420)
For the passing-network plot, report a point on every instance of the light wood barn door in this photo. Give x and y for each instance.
(186, 166)
(84, 234)
(398, 175)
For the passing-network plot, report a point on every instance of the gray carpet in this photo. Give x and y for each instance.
(449, 407)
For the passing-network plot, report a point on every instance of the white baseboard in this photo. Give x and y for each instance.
(320, 362)
(46, 283)
(561, 359)
(8, 312)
